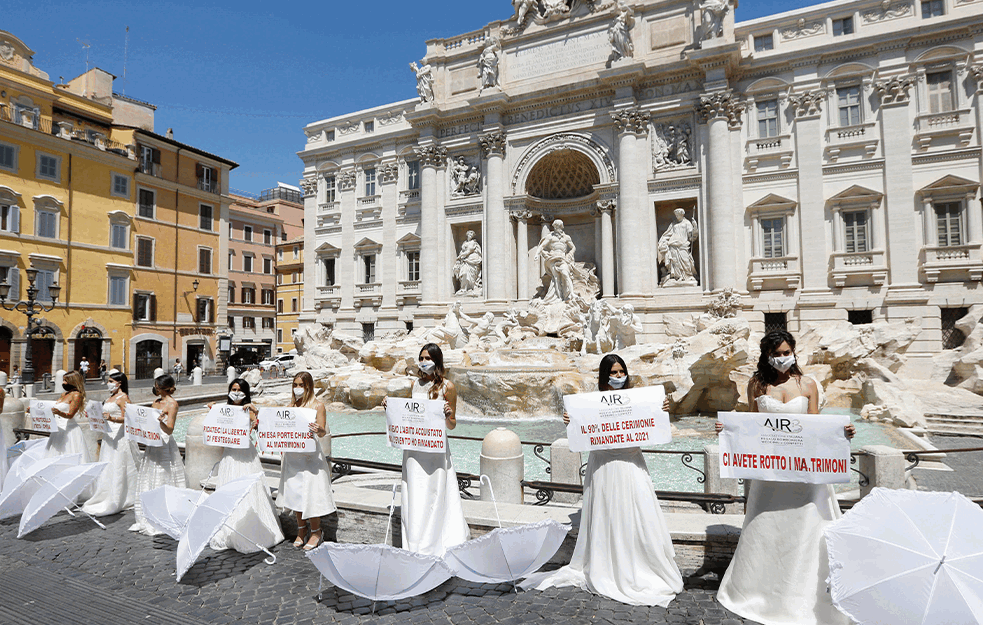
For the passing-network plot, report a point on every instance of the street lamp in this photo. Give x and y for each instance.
(29, 307)
(195, 284)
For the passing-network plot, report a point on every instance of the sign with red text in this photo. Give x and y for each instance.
(806, 448)
(617, 419)
(416, 424)
(97, 421)
(141, 424)
(227, 426)
(42, 419)
(286, 430)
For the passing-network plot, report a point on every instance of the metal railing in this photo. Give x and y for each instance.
(211, 186)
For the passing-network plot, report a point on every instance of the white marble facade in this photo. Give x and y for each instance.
(828, 160)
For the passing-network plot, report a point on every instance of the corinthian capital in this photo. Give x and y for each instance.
(807, 104)
(894, 90)
(432, 155)
(389, 173)
(345, 180)
(977, 72)
(721, 104)
(309, 186)
(631, 120)
(493, 144)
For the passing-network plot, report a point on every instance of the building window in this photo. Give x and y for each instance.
(248, 295)
(368, 332)
(247, 263)
(948, 218)
(204, 310)
(763, 43)
(767, 118)
(296, 252)
(121, 186)
(117, 236)
(150, 161)
(204, 261)
(117, 291)
(412, 175)
(409, 326)
(370, 182)
(775, 321)
(843, 26)
(940, 92)
(329, 279)
(413, 266)
(773, 237)
(247, 234)
(267, 237)
(279, 279)
(47, 224)
(848, 103)
(267, 265)
(231, 256)
(148, 200)
(293, 305)
(279, 306)
(44, 279)
(207, 179)
(279, 255)
(857, 238)
(952, 337)
(860, 317)
(370, 126)
(232, 295)
(279, 335)
(283, 233)
(9, 218)
(232, 322)
(267, 323)
(368, 262)
(144, 307)
(329, 189)
(205, 217)
(8, 157)
(268, 297)
(249, 322)
(48, 167)
(932, 8)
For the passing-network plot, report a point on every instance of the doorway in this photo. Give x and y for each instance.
(149, 356)
(42, 354)
(6, 340)
(88, 344)
(196, 353)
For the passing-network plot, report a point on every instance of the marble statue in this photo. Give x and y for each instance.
(557, 249)
(488, 64)
(522, 10)
(450, 333)
(597, 330)
(467, 267)
(727, 305)
(671, 146)
(484, 328)
(555, 9)
(714, 12)
(509, 320)
(424, 81)
(625, 327)
(465, 179)
(674, 251)
(619, 34)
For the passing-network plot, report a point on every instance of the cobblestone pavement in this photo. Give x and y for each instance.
(967, 468)
(70, 571)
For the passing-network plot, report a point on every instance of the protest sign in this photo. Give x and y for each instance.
(227, 426)
(416, 424)
(97, 421)
(142, 425)
(286, 429)
(811, 449)
(42, 418)
(617, 419)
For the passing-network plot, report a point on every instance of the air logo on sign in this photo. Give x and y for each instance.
(615, 400)
(415, 407)
(792, 426)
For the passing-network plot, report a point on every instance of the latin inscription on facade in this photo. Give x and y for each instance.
(572, 52)
(559, 110)
(460, 129)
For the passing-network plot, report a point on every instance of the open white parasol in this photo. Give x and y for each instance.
(57, 493)
(26, 478)
(168, 507)
(23, 454)
(903, 557)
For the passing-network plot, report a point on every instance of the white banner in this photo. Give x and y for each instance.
(227, 426)
(807, 448)
(416, 424)
(97, 422)
(142, 425)
(286, 429)
(42, 418)
(617, 419)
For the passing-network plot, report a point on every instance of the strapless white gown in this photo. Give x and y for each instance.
(305, 483)
(159, 466)
(623, 549)
(779, 571)
(69, 438)
(115, 488)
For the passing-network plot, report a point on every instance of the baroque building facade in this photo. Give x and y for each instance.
(824, 163)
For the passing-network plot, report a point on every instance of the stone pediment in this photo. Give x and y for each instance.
(366, 243)
(855, 195)
(326, 249)
(950, 185)
(409, 240)
(772, 202)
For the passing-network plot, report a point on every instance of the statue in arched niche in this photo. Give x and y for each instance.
(467, 266)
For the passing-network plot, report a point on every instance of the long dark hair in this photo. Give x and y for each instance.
(124, 384)
(766, 375)
(244, 388)
(439, 373)
(164, 383)
(604, 372)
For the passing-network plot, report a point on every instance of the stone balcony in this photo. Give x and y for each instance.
(954, 263)
(859, 268)
(328, 207)
(409, 292)
(409, 196)
(329, 295)
(368, 295)
(766, 149)
(775, 273)
(860, 137)
(370, 200)
(958, 124)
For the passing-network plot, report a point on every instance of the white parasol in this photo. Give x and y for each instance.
(23, 454)
(168, 507)
(25, 479)
(506, 554)
(904, 557)
(57, 492)
(379, 572)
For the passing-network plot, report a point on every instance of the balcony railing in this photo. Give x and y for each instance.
(951, 263)
(150, 168)
(66, 130)
(769, 273)
(410, 195)
(859, 268)
(369, 289)
(959, 123)
(409, 286)
(211, 186)
(370, 200)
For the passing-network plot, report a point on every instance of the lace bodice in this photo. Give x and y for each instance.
(798, 405)
(112, 410)
(421, 390)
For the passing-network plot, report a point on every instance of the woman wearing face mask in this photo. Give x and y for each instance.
(69, 438)
(623, 548)
(778, 574)
(305, 482)
(160, 465)
(254, 518)
(116, 485)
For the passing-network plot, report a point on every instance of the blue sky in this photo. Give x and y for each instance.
(241, 79)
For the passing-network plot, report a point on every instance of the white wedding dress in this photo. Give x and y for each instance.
(623, 547)
(778, 574)
(115, 488)
(430, 508)
(305, 483)
(159, 466)
(69, 438)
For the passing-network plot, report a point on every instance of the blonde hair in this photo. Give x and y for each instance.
(75, 379)
(308, 396)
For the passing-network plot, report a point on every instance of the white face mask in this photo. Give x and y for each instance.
(617, 382)
(427, 366)
(236, 396)
(298, 391)
(112, 386)
(782, 363)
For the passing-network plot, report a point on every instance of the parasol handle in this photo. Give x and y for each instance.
(392, 509)
(484, 479)
(270, 560)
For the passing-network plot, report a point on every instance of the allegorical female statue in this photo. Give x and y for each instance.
(675, 254)
(467, 267)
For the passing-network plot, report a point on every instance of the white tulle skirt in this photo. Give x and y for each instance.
(305, 484)
(115, 488)
(432, 516)
(254, 518)
(69, 439)
(623, 549)
(159, 466)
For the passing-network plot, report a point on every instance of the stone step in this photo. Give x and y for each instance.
(930, 417)
(961, 422)
(954, 430)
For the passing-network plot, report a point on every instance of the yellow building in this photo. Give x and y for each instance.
(289, 292)
(73, 197)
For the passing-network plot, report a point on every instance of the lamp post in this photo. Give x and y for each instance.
(29, 307)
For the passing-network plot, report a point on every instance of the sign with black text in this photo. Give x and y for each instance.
(416, 424)
(97, 421)
(617, 419)
(227, 426)
(42, 419)
(286, 429)
(142, 425)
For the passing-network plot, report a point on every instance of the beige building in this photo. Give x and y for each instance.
(289, 292)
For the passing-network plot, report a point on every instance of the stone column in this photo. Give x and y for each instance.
(720, 111)
(431, 157)
(387, 265)
(813, 252)
(496, 239)
(975, 213)
(634, 221)
(345, 272)
(606, 210)
(522, 253)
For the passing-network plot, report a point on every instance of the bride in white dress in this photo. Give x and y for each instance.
(115, 488)
(430, 508)
(69, 438)
(160, 465)
(255, 517)
(778, 574)
(623, 549)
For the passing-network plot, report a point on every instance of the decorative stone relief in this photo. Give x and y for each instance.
(348, 129)
(391, 118)
(345, 180)
(726, 305)
(895, 89)
(424, 81)
(525, 10)
(6, 51)
(672, 146)
(488, 64)
(596, 6)
(562, 142)
(807, 104)
(631, 120)
(675, 251)
(432, 155)
(309, 186)
(977, 72)
(388, 173)
(619, 33)
(493, 144)
(465, 178)
(887, 11)
(720, 104)
(554, 9)
(467, 267)
(803, 29)
(311, 138)
(713, 13)
(520, 216)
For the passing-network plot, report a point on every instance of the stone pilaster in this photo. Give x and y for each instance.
(388, 262)
(497, 246)
(522, 253)
(976, 71)
(813, 252)
(345, 182)
(431, 158)
(634, 219)
(606, 212)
